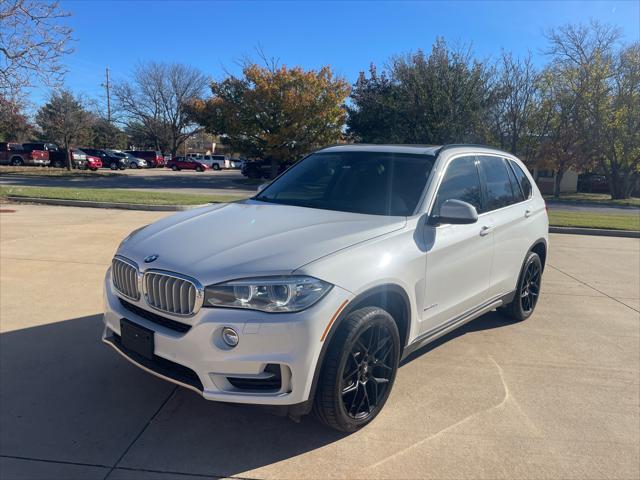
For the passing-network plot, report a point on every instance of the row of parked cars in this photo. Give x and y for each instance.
(85, 158)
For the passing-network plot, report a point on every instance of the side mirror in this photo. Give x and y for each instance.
(262, 187)
(455, 212)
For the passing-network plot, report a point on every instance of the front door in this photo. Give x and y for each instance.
(458, 267)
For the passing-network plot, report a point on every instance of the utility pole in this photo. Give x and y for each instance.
(106, 85)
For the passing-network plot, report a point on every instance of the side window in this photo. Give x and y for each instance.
(515, 187)
(523, 181)
(460, 182)
(497, 183)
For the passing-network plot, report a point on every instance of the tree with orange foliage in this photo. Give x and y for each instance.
(274, 112)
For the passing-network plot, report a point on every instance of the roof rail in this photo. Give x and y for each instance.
(472, 145)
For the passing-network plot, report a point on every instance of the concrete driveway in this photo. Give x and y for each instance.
(556, 396)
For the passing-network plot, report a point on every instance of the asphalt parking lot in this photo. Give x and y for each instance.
(221, 182)
(556, 396)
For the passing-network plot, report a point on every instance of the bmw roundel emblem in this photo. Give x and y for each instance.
(151, 258)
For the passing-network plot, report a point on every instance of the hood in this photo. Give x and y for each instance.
(250, 238)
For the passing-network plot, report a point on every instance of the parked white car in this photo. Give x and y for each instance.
(214, 162)
(338, 269)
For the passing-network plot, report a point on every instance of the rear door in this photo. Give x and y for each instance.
(508, 211)
(459, 260)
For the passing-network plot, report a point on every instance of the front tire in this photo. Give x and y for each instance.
(359, 370)
(133, 165)
(527, 290)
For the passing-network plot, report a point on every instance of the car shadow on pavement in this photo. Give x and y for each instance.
(488, 321)
(67, 397)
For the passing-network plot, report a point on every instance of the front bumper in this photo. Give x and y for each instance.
(197, 360)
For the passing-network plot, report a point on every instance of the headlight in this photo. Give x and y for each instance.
(268, 294)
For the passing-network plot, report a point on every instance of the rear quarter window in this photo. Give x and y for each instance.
(498, 188)
(522, 179)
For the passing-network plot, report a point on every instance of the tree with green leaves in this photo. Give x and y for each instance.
(563, 146)
(65, 121)
(274, 112)
(105, 134)
(435, 98)
(519, 117)
(605, 80)
(14, 125)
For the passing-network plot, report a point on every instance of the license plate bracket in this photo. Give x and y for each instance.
(137, 338)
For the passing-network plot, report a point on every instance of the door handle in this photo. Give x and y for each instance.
(527, 213)
(486, 230)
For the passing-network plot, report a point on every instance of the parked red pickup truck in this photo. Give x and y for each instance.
(16, 154)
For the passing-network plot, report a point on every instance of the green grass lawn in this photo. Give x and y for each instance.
(595, 199)
(556, 218)
(594, 220)
(115, 195)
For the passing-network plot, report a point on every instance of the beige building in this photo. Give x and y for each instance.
(546, 180)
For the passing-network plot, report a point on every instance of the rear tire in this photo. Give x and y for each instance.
(527, 290)
(359, 370)
(174, 168)
(215, 166)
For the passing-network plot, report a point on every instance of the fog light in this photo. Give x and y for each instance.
(230, 336)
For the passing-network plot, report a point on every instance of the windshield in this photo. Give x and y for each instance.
(373, 183)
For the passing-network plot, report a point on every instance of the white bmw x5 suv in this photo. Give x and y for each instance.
(309, 294)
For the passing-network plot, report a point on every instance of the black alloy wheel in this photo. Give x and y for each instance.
(527, 290)
(530, 289)
(358, 369)
(367, 371)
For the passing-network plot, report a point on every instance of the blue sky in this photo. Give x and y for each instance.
(213, 36)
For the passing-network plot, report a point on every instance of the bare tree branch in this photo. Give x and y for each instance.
(33, 41)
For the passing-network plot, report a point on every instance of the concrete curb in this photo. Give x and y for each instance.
(595, 231)
(85, 203)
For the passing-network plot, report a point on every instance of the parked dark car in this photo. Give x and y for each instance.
(154, 158)
(593, 183)
(185, 163)
(261, 168)
(108, 161)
